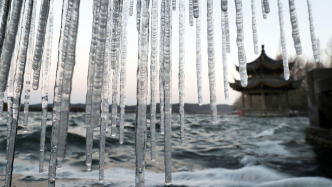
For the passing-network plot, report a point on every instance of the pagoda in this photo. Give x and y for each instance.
(267, 91)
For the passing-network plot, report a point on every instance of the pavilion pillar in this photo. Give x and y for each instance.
(250, 101)
(263, 101)
(281, 100)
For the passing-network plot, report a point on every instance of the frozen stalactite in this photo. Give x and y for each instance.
(266, 5)
(181, 64)
(115, 58)
(123, 67)
(138, 14)
(131, 8)
(153, 74)
(224, 5)
(228, 45)
(102, 33)
(224, 55)
(254, 27)
(142, 90)
(211, 60)
(4, 12)
(198, 61)
(92, 108)
(240, 45)
(63, 41)
(196, 8)
(295, 27)
(161, 66)
(18, 85)
(46, 62)
(283, 41)
(312, 32)
(1, 104)
(174, 5)
(9, 42)
(40, 39)
(27, 76)
(191, 12)
(263, 10)
(167, 42)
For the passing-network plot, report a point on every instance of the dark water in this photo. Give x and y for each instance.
(237, 151)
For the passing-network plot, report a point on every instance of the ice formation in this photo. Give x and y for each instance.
(24, 48)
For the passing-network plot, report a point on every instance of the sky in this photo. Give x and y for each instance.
(268, 35)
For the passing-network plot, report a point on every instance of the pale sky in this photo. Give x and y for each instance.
(268, 34)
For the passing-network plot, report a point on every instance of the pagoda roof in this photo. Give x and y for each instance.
(265, 62)
(266, 83)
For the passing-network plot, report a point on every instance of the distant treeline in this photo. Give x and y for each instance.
(188, 108)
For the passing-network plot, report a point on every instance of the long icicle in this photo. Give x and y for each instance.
(102, 37)
(174, 5)
(283, 41)
(161, 66)
(224, 5)
(295, 27)
(115, 60)
(254, 27)
(312, 32)
(46, 62)
(181, 65)
(199, 61)
(191, 12)
(224, 55)
(240, 45)
(263, 10)
(142, 90)
(167, 92)
(40, 39)
(28, 69)
(196, 8)
(18, 85)
(92, 107)
(9, 43)
(153, 74)
(228, 45)
(4, 12)
(266, 5)
(131, 8)
(123, 67)
(63, 40)
(211, 60)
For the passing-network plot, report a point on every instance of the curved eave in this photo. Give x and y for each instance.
(267, 84)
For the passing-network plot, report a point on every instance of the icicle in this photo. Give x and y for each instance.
(228, 45)
(40, 39)
(312, 32)
(92, 110)
(123, 67)
(131, 9)
(266, 5)
(4, 11)
(27, 76)
(254, 26)
(142, 89)
(18, 84)
(212, 76)
(153, 74)
(115, 53)
(63, 40)
(224, 5)
(9, 43)
(104, 95)
(181, 64)
(1, 104)
(198, 61)
(46, 62)
(240, 45)
(138, 14)
(196, 8)
(263, 10)
(191, 12)
(174, 5)
(161, 66)
(224, 55)
(283, 41)
(295, 27)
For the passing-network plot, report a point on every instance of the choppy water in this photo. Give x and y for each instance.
(237, 151)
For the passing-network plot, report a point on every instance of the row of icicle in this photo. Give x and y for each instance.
(23, 61)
